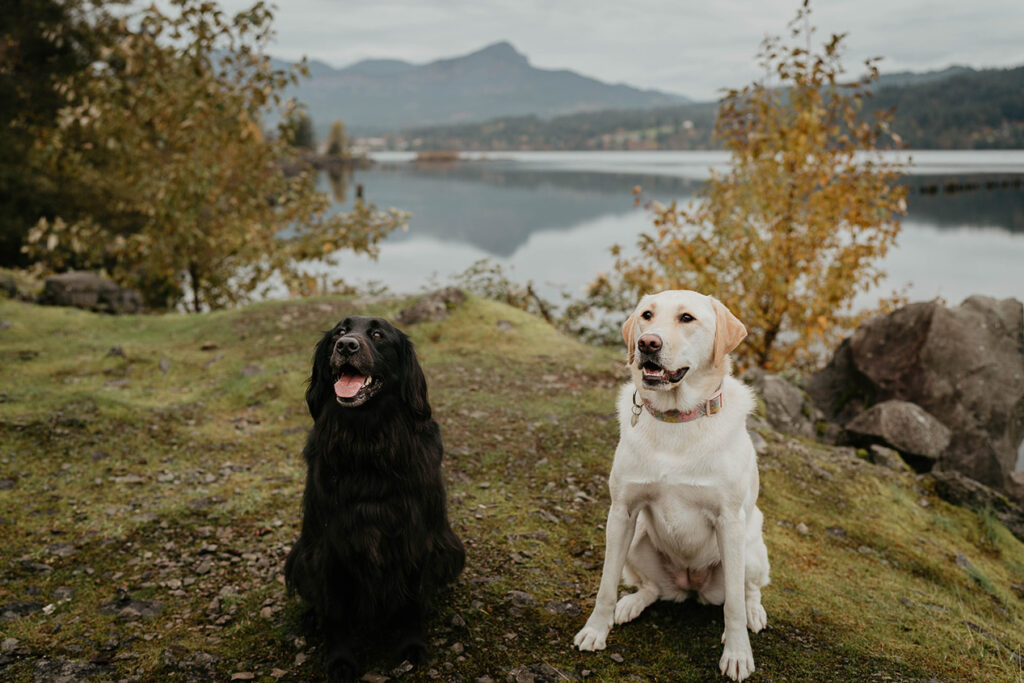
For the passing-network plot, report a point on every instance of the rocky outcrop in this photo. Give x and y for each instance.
(82, 289)
(957, 489)
(787, 408)
(962, 365)
(903, 426)
(431, 307)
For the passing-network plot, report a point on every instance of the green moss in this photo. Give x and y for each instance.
(760, 407)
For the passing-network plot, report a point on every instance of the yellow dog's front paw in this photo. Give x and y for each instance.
(629, 607)
(757, 618)
(736, 663)
(591, 638)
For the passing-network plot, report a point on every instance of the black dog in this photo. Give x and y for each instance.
(375, 542)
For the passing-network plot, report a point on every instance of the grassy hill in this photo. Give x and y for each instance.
(150, 484)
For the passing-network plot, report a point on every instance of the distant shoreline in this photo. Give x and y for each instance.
(698, 163)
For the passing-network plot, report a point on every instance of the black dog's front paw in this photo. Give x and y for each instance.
(413, 651)
(341, 667)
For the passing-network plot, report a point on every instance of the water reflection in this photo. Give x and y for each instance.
(497, 209)
(990, 201)
(554, 225)
(339, 178)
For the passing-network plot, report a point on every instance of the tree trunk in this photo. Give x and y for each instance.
(194, 277)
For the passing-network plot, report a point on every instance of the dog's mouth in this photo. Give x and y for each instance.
(353, 388)
(655, 375)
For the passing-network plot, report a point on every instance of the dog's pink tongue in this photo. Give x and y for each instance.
(348, 385)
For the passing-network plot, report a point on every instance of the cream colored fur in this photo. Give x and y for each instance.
(684, 520)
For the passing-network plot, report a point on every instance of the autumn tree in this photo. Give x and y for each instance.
(337, 141)
(189, 199)
(793, 231)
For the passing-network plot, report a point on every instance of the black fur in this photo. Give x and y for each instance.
(375, 542)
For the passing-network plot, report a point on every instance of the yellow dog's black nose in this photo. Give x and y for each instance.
(649, 343)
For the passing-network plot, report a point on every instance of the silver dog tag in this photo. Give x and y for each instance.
(633, 420)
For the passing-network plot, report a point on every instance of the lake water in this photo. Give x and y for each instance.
(551, 217)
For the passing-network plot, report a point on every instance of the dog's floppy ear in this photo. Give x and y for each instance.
(729, 331)
(629, 335)
(414, 384)
(321, 389)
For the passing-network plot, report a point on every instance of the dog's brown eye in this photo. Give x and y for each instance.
(646, 315)
(377, 334)
(686, 318)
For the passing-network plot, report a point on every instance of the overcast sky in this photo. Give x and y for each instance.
(688, 47)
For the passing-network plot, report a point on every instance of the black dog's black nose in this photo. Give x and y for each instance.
(649, 343)
(347, 345)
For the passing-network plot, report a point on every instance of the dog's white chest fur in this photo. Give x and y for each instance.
(677, 477)
(667, 455)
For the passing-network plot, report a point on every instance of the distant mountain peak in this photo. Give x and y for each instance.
(377, 95)
(501, 51)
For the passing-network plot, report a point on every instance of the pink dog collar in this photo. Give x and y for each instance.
(709, 407)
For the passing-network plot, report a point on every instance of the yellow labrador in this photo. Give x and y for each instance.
(684, 519)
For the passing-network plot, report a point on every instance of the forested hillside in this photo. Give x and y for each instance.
(957, 108)
(968, 110)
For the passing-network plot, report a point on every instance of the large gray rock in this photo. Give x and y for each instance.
(904, 426)
(963, 365)
(82, 289)
(787, 407)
